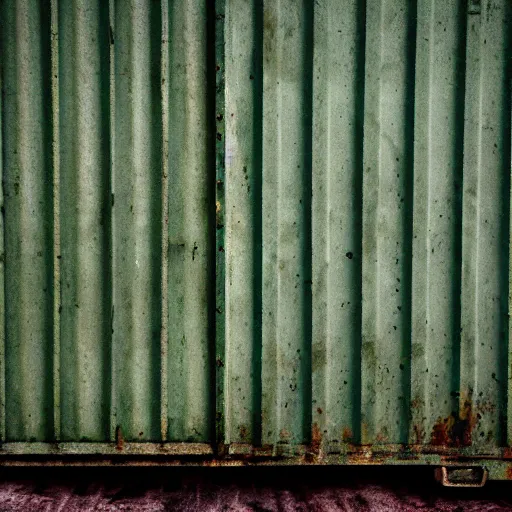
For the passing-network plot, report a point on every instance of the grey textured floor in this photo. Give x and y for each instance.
(241, 489)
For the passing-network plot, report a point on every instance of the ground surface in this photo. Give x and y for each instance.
(241, 489)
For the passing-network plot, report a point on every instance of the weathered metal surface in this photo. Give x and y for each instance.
(437, 224)
(485, 228)
(392, 216)
(338, 76)
(191, 226)
(286, 222)
(220, 227)
(268, 229)
(28, 213)
(84, 189)
(243, 221)
(386, 234)
(87, 88)
(136, 230)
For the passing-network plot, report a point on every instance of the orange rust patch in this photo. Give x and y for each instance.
(468, 422)
(119, 438)
(442, 432)
(508, 473)
(347, 434)
(453, 430)
(316, 439)
(312, 454)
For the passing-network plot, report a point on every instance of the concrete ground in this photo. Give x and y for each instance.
(241, 489)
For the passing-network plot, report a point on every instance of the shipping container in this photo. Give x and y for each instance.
(254, 232)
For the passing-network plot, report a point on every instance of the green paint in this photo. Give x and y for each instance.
(307, 257)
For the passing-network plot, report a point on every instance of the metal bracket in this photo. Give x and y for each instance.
(456, 476)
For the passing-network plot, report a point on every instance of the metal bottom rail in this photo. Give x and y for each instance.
(452, 468)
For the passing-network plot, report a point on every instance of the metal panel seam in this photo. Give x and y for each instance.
(220, 260)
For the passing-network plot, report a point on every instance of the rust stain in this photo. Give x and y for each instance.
(119, 438)
(313, 453)
(456, 430)
(419, 434)
(442, 432)
(508, 473)
(316, 439)
(243, 432)
(364, 431)
(467, 421)
(265, 450)
(347, 435)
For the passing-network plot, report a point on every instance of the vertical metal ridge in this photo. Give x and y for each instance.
(370, 269)
(336, 221)
(211, 225)
(485, 227)
(269, 287)
(112, 430)
(258, 219)
(469, 216)
(242, 219)
(282, 433)
(85, 219)
(286, 221)
(2, 247)
(242, 214)
(436, 236)
(164, 334)
(509, 355)
(308, 26)
(54, 30)
(407, 198)
(387, 200)
(223, 432)
(28, 221)
(137, 210)
(321, 339)
(190, 241)
(421, 256)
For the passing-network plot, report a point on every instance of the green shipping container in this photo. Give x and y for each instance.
(248, 231)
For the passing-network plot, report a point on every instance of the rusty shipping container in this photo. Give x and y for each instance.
(247, 231)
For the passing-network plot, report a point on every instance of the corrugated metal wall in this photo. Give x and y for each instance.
(106, 169)
(367, 222)
(256, 223)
